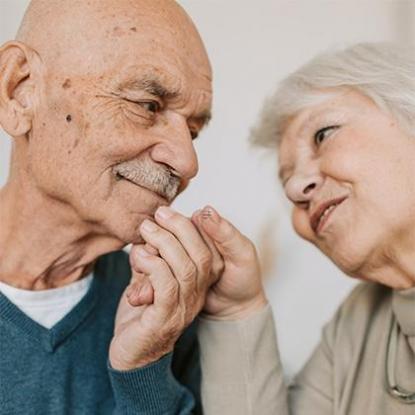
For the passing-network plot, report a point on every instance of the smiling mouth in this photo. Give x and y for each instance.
(322, 214)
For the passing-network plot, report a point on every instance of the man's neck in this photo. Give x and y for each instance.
(43, 243)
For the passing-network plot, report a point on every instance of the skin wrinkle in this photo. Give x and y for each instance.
(70, 50)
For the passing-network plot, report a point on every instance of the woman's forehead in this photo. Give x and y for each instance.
(337, 103)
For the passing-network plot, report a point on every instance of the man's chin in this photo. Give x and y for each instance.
(136, 240)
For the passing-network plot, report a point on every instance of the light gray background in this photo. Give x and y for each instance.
(253, 44)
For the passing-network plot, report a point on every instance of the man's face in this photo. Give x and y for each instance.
(114, 140)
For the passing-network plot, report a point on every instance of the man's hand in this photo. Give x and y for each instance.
(174, 271)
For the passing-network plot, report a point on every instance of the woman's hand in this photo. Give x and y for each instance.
(238, 292)
(172, 275)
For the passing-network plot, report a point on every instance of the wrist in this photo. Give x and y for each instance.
(238, 310)
(123, 365)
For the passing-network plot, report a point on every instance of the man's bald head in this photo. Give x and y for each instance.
(71, 32)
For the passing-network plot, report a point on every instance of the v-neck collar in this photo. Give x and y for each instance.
(51, 338)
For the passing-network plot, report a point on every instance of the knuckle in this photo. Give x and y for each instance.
(177, 323)
(218, 268)
(166, 237)
(171, 291)
(189, 271)
(205, 261)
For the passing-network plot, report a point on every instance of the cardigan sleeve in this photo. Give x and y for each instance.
(242, 372)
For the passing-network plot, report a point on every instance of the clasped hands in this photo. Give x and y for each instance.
(187, 265)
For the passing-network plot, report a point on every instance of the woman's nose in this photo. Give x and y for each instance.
(300, 188)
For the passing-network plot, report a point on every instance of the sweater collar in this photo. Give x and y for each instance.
(403, 304)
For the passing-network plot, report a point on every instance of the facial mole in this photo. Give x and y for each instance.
(133, 29)
(69, 118)
(66, 84)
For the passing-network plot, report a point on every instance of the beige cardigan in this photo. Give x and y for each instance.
(242, 373)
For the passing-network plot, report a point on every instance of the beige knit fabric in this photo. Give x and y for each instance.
(242, 373)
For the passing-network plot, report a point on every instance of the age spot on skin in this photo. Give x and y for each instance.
(69, 118)
(117, 31)
(66, 84)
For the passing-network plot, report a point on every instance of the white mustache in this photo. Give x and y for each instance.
(155, 177)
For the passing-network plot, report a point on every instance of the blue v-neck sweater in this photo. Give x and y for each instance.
(65, 370)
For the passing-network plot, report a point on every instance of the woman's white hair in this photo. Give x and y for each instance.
(384, 72)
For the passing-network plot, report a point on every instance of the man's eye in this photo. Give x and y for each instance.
(324, 133)
(150, 106)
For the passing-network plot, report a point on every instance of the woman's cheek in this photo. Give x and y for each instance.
(301, 224)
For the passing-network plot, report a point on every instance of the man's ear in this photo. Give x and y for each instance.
(17, 88)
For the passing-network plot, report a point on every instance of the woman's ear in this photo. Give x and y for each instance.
(17, 88)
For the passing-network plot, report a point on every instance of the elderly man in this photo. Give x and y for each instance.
(103, 99)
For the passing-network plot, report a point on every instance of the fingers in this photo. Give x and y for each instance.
(188, 235)
(164, 284)
(140, 291)
(173, 252)
(181, 245)
(232, 244)
(218, 264)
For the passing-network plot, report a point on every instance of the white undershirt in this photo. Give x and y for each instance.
(47, 307)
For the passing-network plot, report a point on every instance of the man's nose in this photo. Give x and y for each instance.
(301, 187)
(177, 151)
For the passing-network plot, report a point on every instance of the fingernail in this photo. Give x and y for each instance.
(210, 214)
(164, 212)
(142, 252)
(149, 226)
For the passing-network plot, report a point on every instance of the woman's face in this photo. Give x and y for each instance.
(349, 170)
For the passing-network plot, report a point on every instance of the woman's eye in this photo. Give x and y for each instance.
(150, 106)
(323, 133)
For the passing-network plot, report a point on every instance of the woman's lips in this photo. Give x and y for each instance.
(323, 213)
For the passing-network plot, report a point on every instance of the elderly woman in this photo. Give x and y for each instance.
(343, 127)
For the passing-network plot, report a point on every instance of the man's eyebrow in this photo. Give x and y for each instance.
(151, 85)
(202, 118)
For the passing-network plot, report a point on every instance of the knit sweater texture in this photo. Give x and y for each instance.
(65, 369)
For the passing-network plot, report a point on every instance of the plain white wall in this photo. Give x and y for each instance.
(253, 44)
